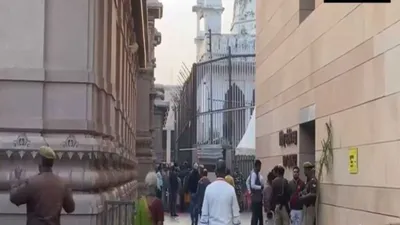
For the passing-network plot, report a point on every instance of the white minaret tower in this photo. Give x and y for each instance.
(209, 17)
(244, 17)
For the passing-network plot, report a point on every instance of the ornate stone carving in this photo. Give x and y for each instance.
(21, 141)
(147, 74)
(9, 153)
(34, 154)
(21, 153)
(157, 38)
(80, 154)
(90, 165)
(60, 154)
(70, 154)
(70, 142)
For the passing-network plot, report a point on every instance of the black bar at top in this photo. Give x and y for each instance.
(357, 1)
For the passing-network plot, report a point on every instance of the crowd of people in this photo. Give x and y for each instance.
(283, 202)
(276, 199)
(279, 201)
(184, 186)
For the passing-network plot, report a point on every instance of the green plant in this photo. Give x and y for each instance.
(325, 161)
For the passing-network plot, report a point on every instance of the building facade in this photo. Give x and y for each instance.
(69, 72)
(146, 95)
(161, 108)
(339, 71)
(169, 127)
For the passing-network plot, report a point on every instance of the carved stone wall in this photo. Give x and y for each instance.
(144, 138)
(161, 108)
(72, 86)
(145, 98)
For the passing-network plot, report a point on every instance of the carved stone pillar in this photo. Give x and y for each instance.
(160, 111)
(144, 153)
(145, 99)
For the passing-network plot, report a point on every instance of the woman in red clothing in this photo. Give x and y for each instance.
(150, 208)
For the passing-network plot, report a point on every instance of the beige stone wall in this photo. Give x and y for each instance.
(345, 59)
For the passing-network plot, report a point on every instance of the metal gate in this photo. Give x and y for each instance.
(245, 163)
(224, 103)
(118, 213)
(214, 106)
(225, 99)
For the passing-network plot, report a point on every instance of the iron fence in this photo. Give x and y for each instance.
(225, 99)
(215, 106)
(118, 213)
(245, 163)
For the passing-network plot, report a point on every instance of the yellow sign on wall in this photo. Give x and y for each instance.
(353, 160)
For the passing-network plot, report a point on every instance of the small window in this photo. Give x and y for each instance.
(202, 25)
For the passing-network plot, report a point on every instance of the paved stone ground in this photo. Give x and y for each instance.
(184, 219)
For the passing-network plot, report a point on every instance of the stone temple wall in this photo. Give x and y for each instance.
(68, 72)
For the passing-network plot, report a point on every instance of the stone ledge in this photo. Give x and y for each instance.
(47, 75)
(22, 74)
(85, 203)
(79, 179)
(144, 141)
(86, 162)
(147, 74)
(144, 153)
(143, 133)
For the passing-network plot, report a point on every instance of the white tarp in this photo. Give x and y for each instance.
(247, 146)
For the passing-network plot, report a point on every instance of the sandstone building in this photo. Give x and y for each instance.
(318, 62)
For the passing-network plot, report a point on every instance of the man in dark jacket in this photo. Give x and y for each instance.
(173, 191)
(201, 189)
(193, 180)
(183, 173)
(296, 207)
(280, 197)
(267, 191)
(45, 194)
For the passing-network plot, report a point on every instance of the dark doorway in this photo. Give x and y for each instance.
(307, 137)
(307, 142)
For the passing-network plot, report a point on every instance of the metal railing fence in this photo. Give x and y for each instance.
(118, 213)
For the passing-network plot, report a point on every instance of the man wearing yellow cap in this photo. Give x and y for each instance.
(44, 194)
(229, 178)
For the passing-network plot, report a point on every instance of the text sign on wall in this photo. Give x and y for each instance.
(289, 161)
(288, 138)
(353, 160)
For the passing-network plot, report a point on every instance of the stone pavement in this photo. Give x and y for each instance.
(184, 219)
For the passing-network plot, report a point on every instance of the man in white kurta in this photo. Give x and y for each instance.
(220, 206)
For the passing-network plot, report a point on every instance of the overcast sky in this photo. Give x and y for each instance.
(178, 29)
